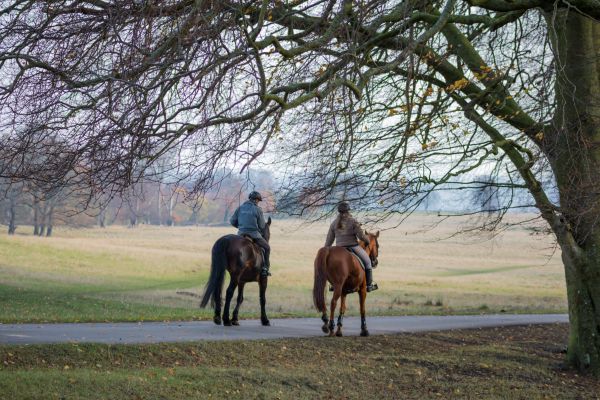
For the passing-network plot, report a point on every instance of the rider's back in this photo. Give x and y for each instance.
(248, 218)
(344, 233)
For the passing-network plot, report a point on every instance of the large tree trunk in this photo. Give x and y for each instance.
(12, 214)
(159, 203)
(50, 221)
(43, 213)
(36, 216)
(133, 211)
(172, 202)
(573, 148)
(102, 218)
(583, 291)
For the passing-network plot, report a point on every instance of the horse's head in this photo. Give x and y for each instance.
(266, 233)
(373, 247)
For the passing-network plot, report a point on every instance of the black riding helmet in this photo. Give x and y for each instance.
(343, 207)
(254, 195)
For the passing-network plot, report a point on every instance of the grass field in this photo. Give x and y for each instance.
(156, 273)
(501, 363)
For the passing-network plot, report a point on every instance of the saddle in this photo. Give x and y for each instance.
(246, 236)
(360, 261)
(256, 246)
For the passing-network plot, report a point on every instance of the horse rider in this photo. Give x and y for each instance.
(346, 230)
(249, 220)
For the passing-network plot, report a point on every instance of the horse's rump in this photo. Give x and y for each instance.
(338, 266)
(342, 259)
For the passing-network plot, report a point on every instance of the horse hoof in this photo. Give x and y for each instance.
(325, 328)
(266, 323)
(331, 334)
(226, 323)
(364, 333)
(235, 322)
(339, 334)
(217, 320)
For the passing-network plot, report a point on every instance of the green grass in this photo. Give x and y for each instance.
(54, 306)
(501, 363)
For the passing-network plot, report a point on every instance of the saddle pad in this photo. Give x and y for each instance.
(360, 261)
(247, 237)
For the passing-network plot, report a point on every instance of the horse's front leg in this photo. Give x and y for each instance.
(228, 297)
(341, 315)
(262, 284)
(240, 299)
(362, 295)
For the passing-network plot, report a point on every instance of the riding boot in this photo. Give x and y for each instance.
(266, 264)
(370, 285)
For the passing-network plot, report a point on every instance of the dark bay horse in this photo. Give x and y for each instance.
(343, 270)
(243, 259)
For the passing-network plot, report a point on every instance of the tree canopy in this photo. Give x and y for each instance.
(374, 101)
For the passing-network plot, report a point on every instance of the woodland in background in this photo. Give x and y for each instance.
(150, 201)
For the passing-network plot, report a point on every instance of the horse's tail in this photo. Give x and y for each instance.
(320, 279)
(218, 265)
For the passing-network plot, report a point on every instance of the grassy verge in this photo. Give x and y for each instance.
(32, 306)
(504, 363)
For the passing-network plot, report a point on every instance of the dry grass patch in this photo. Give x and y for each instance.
(418, 273)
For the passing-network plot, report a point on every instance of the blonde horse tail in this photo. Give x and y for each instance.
(320, 279)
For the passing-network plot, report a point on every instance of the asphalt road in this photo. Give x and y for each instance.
(184, 331)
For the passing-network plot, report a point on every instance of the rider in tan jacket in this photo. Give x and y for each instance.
(345, 230)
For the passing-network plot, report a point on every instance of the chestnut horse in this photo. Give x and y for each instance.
(343, 270)
(243, 259)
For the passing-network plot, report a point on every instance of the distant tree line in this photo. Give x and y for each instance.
(153, 199)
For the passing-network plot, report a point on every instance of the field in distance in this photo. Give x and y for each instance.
(157, 273)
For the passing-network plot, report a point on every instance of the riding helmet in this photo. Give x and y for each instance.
(343, 207)
(254, 195)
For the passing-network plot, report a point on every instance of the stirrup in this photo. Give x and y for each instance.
(372, 286)
(265, 272)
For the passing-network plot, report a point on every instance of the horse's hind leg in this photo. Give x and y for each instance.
(218, 304)
(362, 295)
(228, 297)
(325, 327)
(262, 286)
(341, 316)
(337, 292)
(240, 299)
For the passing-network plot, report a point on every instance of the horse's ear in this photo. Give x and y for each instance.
(269, 221)
(367, 233)
(377, 234)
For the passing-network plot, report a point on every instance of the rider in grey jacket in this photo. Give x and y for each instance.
(249, 220)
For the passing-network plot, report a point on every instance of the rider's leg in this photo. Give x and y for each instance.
(368, 267)
(267, 251)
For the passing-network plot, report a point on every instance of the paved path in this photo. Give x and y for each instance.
(153, 332)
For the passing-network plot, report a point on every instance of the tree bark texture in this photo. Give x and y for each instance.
(572, 145)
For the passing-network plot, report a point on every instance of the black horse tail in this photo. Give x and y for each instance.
(320, 279)
(218, 265)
